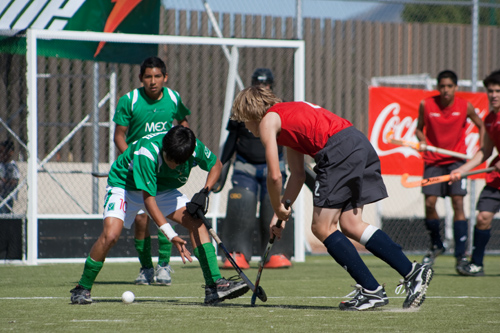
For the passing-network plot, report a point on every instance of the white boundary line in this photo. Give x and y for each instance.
(242, 297)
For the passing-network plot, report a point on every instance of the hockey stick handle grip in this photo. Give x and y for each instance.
(447, 152)
(278, 224)
(207, 224)
(474, 172)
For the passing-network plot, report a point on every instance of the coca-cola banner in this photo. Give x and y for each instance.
(396, 109)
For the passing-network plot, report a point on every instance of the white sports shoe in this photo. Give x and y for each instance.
(415, 285)
(364, 299)
(146, 276)
(162, 275)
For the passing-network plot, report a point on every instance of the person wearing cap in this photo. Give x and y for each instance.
(241, 227)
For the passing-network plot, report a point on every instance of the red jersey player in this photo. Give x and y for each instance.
(442, 122)
(347, 177)
(489, 200)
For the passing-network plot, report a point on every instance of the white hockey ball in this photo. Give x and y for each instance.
(128, 297)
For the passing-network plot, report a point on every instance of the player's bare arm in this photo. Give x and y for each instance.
(119, 137)
(157, 216)
(297, 174)
(480, 157)
(269, 128)
(419, 132)
(213, 175)
(184, 122)
(293, 185)
(471, 113)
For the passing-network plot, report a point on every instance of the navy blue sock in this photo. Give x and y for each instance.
(433, 227)
(345, 254)
(382, 246)
(460, 236)
(481, 238)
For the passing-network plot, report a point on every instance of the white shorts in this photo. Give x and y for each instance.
(125, 205)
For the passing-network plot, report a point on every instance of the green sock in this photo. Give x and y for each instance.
(164, 249)
(143, 247)
(208, 262)
(90, 271)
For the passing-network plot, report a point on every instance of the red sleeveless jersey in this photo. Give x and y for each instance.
(306, 127)
(445, 128)
(492, 125)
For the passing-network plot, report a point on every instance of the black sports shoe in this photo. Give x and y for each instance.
(461, 262)
(470, 269)
(365, 299)
(224, 289)
(432, 254)
(80, 295)
(415, 285)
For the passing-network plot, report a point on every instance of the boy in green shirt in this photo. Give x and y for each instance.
(150, 109)
(146, 176)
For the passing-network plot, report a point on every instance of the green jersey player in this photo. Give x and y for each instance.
(146, 176)
(150, 109)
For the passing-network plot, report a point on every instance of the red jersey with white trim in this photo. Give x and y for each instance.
(306, 127)
(492, 125)
(445, 128)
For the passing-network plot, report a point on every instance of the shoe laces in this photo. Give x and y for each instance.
(401, 287)
(474, 268)
(232, 278)
(357, 289)
(168, 268)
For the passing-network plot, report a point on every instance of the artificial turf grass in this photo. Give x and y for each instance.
(302, 298)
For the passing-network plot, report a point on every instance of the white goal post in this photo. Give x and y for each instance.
(33, 161)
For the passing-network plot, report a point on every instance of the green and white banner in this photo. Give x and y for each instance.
(124, 16)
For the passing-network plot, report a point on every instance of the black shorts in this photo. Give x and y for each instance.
(489, 200)
(443, 189)
(347, 172)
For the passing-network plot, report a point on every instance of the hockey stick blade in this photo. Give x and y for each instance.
(389, 137)
(260, 292)
(264, 258)
(438, 179)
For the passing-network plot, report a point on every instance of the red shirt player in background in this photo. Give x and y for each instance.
(442, 122)
(347, 177)
(489, 200)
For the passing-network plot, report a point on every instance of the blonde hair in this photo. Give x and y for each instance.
(252, 103)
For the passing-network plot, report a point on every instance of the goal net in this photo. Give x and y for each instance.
(68, 136)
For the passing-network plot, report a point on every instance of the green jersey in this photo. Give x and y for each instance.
(144, 116)
(141, 166)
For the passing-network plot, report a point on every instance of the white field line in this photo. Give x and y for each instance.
(97, 320)
(276, 297)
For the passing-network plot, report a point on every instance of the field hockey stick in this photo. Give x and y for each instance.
(99, 174)
(264, 258)
(416, 146)
(256, 290)
(438, 179)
